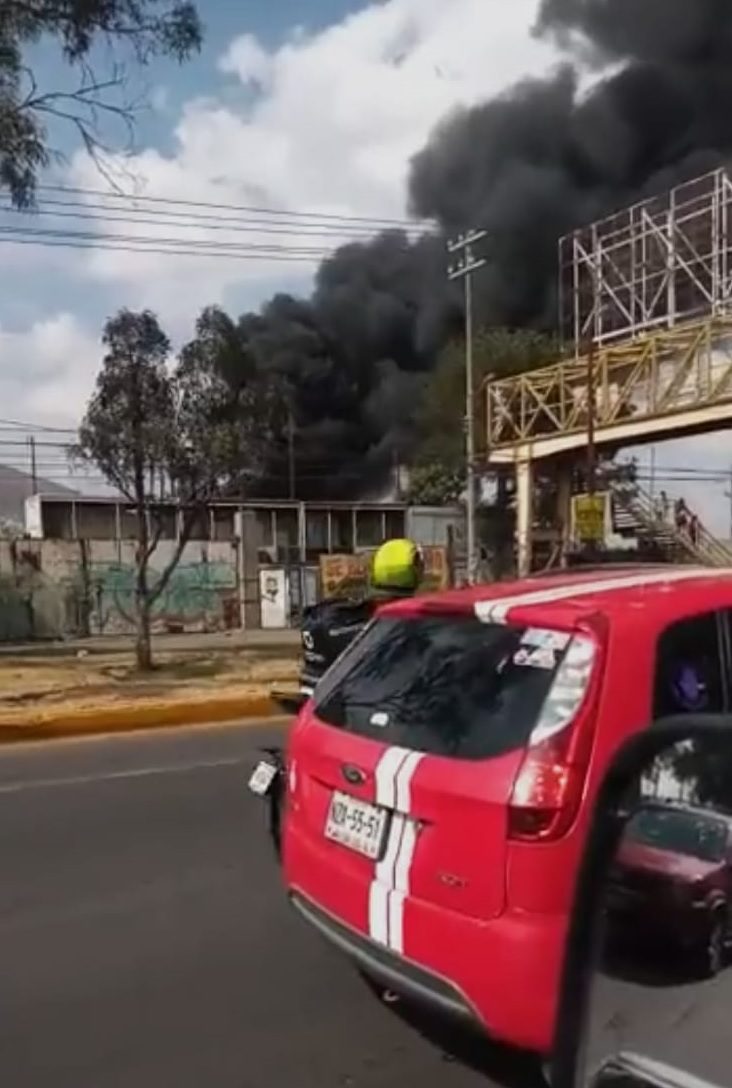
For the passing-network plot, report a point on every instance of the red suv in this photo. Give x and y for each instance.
(438, 784)
(673, 880)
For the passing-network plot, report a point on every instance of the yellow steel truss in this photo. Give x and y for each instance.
(673, 371)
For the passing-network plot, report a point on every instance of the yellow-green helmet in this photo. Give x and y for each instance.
(397, 565)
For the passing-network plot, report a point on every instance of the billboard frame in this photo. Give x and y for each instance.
(665, 260)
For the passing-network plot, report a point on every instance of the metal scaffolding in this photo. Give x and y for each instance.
(654, 265)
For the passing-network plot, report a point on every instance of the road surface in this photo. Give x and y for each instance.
(146, 942)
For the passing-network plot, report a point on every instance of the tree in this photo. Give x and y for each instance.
(435, 485)
(440, 451)
(160, 437)
(707, 766)
(136, 29)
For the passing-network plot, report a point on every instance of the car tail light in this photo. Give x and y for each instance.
(548, 788)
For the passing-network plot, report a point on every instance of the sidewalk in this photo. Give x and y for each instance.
(255, 641)
(93, 686)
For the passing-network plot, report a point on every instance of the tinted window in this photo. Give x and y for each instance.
(688, 669)
(449, 685)
(684, 833)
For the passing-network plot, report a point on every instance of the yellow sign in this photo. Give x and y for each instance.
(589, 518)
(343, 575)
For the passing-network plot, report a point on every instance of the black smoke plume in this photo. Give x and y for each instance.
(642, 101)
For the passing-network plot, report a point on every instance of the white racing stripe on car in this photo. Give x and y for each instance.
(497, 611)
(390, 884)
(383, 882)
(400, 891)
(386, 772)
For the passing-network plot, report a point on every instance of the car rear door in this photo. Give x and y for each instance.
(427, 719)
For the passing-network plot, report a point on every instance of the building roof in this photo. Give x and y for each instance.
(47, 496)
(17, 486)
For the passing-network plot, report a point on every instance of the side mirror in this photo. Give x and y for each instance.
(289, 702)
(647, 982)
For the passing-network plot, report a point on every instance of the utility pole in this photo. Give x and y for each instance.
(462, 269)
(34, 464)
(653, 472)
(591, 405)
(291, 451)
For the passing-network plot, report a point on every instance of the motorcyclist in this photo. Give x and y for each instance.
(397, 569)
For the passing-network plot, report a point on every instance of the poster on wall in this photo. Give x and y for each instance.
(589, 518)
(273, 598)
(348, 575)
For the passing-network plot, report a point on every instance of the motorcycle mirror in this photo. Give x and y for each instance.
(290, 702)
(647, 983)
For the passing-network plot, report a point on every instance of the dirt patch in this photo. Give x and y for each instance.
(102, 679)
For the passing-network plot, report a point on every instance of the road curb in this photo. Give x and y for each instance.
(130, 717)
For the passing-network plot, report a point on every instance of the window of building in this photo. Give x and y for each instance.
(316, 533)
(286, 531)
(369, 528)
(395, 521)
(342, 531)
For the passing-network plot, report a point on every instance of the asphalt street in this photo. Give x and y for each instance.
(145, 939)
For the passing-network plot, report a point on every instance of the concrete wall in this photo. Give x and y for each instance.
(66, 588)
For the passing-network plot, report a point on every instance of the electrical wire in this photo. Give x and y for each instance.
(46, 243)
(378, 221)
(191, 220)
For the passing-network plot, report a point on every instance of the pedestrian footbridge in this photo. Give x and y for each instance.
(666, 385)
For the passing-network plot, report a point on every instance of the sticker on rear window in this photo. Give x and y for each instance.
(535, 658)
(379, 719)
(544, 639)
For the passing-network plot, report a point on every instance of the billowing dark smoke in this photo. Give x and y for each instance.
(530, 165)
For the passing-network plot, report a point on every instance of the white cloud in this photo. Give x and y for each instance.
(48, 370)
(327, 125)
(247, 59)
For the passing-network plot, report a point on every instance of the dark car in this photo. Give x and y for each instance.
(674, 877)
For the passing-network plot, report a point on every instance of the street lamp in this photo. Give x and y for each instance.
(462, 268)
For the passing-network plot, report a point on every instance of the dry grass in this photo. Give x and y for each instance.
(104, 678)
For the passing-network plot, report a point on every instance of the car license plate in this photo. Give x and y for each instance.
(262, 778)
(356, 824)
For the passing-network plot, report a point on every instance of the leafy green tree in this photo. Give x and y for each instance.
(165, 438)
(440, 422)
(435, 485)
(135, 30)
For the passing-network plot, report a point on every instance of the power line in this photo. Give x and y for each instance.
(191, 220)
(47, 232)
(248, 208)
(35, 426)
(45, 243)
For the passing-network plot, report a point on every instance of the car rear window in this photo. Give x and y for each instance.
(447, 685)
(685, 833)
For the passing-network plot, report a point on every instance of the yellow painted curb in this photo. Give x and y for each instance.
(128, 717)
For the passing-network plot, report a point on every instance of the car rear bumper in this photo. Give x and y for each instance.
(394, 972)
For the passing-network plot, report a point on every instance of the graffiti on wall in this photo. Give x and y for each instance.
(53, 589)
(202, 594)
